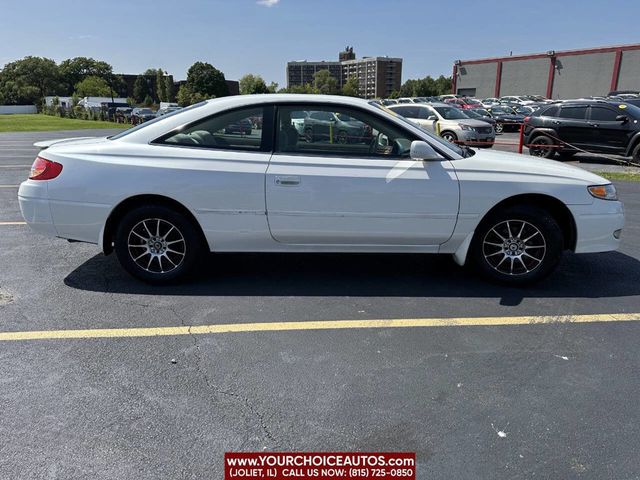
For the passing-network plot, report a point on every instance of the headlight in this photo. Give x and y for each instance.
(605, 192)
(465, 127)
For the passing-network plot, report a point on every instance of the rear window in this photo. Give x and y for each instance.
(551, 111)
(157, 119)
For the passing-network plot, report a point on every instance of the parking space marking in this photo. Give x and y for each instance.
(15, 166)
(9, 186)
(312, 325)
(12, 223)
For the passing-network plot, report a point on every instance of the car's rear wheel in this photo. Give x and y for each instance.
(517, 246)
(157, 244)
(449, 136)
(540, 146)
(499, 128)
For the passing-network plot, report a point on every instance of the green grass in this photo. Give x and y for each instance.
(624, 176)
(41, 123)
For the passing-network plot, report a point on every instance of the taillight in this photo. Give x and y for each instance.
(43, 169)
(526, 119)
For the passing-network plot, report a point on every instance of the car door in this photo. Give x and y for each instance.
(363, 193)
(612, 135)
(218, 173)
(572, 126)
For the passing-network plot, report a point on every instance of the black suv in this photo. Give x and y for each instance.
(593, 125)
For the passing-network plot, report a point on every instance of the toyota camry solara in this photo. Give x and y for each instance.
(163, 194)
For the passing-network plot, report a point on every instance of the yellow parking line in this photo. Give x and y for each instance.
(13, 223)
(313, 325)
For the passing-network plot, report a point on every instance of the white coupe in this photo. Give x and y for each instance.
(235, 175)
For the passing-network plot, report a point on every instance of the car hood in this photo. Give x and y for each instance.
(524, 165)
(472, 122)
(517, 118)
(68, 141)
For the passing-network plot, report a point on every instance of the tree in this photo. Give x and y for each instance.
(74, 70)
(93, 87)
(161, 86)
(206, 80)
(351, 87)
(251, 84)
(426, 87)
(273, 87)
(169, 89)
(141, 88)
(29, 80)
(148, 101)
(325, 83)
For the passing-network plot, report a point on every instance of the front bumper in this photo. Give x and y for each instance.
(596, 225)
(33, 197)
(471, 137)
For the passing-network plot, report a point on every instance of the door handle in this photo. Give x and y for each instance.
(555, 122)
(594, 125)
(288, 181)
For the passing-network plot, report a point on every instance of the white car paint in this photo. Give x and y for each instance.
(332, 204)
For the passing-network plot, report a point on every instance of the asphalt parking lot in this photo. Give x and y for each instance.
(515, 399)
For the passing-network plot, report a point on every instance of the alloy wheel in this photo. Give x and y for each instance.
(514, 247)
(156, 245)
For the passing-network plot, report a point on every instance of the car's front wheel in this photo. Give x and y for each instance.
(517, 246)
(157, 244)
(499, 128)
(449, 137)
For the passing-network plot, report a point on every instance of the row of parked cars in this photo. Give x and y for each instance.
(136, 116)
(606, 125)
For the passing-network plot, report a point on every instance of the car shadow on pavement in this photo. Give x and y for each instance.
(610, 274)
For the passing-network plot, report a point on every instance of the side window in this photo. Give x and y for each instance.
(549, 112)
(603, 114)
(404, 111)
(235, 130)
(351, 132)
(577, 113)
(425, 113)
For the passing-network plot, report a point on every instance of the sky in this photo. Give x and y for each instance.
(260, 36)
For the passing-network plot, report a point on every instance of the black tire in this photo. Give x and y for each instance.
(449, 136)
(635, 155)
(499, 127)
(145, 221)
(505, 251)
(308, 135)
(541, 151)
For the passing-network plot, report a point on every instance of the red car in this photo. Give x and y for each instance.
(464, 103)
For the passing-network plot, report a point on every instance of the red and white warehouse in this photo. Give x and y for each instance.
(554, 74)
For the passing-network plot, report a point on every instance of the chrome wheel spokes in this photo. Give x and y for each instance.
(159, 252)
(514, 247)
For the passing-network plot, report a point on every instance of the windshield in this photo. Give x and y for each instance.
(451, 113)
(503, 110)
(157, 119)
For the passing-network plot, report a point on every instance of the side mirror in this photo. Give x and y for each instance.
(433, 118)
(622, 118)
(421, 150)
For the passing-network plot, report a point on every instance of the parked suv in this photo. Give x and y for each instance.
(592, 125)
(453, 124)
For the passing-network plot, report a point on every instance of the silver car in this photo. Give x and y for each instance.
(449, 122)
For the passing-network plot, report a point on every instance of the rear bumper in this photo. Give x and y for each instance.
(35, 208)
(596, 225)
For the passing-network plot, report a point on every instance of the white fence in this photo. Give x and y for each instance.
(9, 109)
